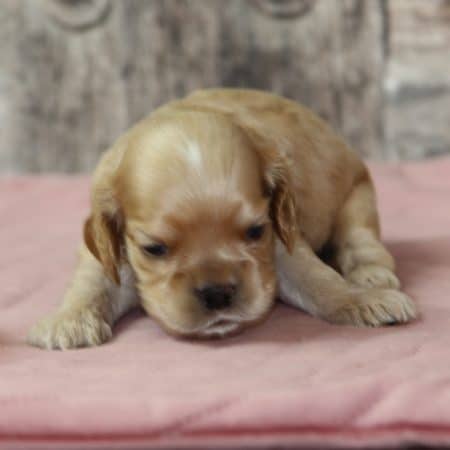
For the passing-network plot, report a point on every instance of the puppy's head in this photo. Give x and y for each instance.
(197, 206)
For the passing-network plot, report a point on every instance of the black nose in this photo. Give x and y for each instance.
(216, 296)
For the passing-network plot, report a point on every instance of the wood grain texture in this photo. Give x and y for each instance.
(417, 81)
(75, 74)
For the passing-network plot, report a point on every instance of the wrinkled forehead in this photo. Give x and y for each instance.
(207, 163)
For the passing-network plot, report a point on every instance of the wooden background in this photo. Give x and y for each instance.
(75, 73)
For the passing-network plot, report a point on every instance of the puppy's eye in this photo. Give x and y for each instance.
(255, 232)
(156, 249)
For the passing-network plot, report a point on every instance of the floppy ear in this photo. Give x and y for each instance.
(282, 203)
(103, 237)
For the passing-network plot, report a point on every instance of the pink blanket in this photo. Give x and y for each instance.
(293, 380)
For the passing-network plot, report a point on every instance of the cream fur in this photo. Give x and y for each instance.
(195, 175)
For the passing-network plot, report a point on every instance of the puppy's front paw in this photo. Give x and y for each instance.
(373, 276)
(70, 329)
(374, 308)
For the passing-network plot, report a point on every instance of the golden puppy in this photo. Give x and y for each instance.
(207, 210)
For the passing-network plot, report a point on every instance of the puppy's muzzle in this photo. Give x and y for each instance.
(216, 296)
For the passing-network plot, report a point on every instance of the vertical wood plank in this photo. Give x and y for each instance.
(417, 81)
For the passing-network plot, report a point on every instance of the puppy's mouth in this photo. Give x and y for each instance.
(221, 327)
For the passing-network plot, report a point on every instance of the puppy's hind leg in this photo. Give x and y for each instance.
(360, 255)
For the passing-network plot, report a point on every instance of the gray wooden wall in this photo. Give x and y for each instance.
(75, 73)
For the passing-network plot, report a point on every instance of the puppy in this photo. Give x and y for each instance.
(215, 205)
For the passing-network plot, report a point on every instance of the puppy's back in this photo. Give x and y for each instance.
(323, 168)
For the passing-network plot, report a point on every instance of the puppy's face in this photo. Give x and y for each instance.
(199, 226)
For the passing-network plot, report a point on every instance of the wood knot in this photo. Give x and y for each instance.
(77, 15)
(284, 9)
